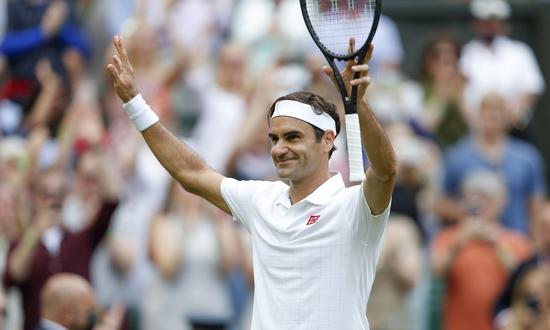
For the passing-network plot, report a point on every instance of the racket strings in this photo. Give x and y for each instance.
(335, 21)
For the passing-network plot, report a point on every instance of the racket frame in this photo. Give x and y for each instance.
(350, 102)
(355, 152)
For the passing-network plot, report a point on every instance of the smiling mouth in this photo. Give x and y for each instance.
(284, 161)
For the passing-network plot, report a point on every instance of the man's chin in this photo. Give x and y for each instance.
(284, 173)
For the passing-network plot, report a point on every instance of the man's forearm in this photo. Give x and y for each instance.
(379, 150)
(19, 263)
(177, 158)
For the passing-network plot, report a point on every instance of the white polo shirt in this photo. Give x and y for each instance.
(314, 261)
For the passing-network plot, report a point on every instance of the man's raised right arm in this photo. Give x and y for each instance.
(177, 158)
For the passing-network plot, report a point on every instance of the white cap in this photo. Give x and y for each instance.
(486, 9)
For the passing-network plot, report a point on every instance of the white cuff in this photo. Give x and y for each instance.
(140, 113)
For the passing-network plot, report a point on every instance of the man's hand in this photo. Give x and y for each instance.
(54, 17)
(351, 68)
(122, 72)
(47, 78)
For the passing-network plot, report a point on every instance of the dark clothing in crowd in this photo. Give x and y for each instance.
(74, 256)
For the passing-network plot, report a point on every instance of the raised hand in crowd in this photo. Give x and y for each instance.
(55, 16)
(43, 108)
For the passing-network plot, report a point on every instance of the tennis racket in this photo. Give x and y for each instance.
(331, 24)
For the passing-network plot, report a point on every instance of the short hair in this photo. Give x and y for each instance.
(486, 182)
(319, 105)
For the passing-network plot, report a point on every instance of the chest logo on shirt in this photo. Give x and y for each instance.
(312, 219)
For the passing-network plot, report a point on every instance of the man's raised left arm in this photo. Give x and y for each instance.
(382, 172)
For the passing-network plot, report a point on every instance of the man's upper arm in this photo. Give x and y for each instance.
(207, 184)
(378, 192)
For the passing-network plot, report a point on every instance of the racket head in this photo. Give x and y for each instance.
(331, 23)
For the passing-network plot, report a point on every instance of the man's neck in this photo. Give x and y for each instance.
(491, 140)
(303, 188)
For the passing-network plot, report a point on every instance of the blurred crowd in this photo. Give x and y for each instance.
(93, 229)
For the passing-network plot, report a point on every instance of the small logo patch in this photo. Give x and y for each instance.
(312, 219)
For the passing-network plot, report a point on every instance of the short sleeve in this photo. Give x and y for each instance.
(533, 81)
(370, 227)
(240, 197)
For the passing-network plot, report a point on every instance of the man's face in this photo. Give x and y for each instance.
(481, 206)
(88, 176)
(294, 149)
(493, 116)
(488, 29)
(51, 191)
(81, 318)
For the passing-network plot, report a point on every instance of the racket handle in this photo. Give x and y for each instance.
(355, 151)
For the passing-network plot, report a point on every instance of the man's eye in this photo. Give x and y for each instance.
(292, 137)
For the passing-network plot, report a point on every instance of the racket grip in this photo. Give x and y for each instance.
(355, 151)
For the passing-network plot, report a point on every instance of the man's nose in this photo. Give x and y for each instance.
(279, 148)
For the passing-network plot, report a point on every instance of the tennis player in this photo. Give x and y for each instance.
(315, 242)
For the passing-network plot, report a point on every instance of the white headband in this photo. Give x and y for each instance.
(304, 112)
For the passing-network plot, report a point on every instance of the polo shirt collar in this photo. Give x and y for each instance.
(319, 196)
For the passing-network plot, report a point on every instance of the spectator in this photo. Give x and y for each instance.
(541, 258)
(67, 301)
(530, 305)
(46, 248)
(490, 147)
(443, 117)
(479, 248)
(492, 62)
(224, 108)
(194, 251)
(417, 177)
(398, 271)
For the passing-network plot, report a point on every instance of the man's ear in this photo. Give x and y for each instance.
(328, 139)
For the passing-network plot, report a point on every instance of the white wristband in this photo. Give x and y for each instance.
(140, 113)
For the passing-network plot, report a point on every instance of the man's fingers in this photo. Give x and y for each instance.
(116, 43)
(113, 71)
(123, 53)
(118, 63)
(362, 80)
(360, 68)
